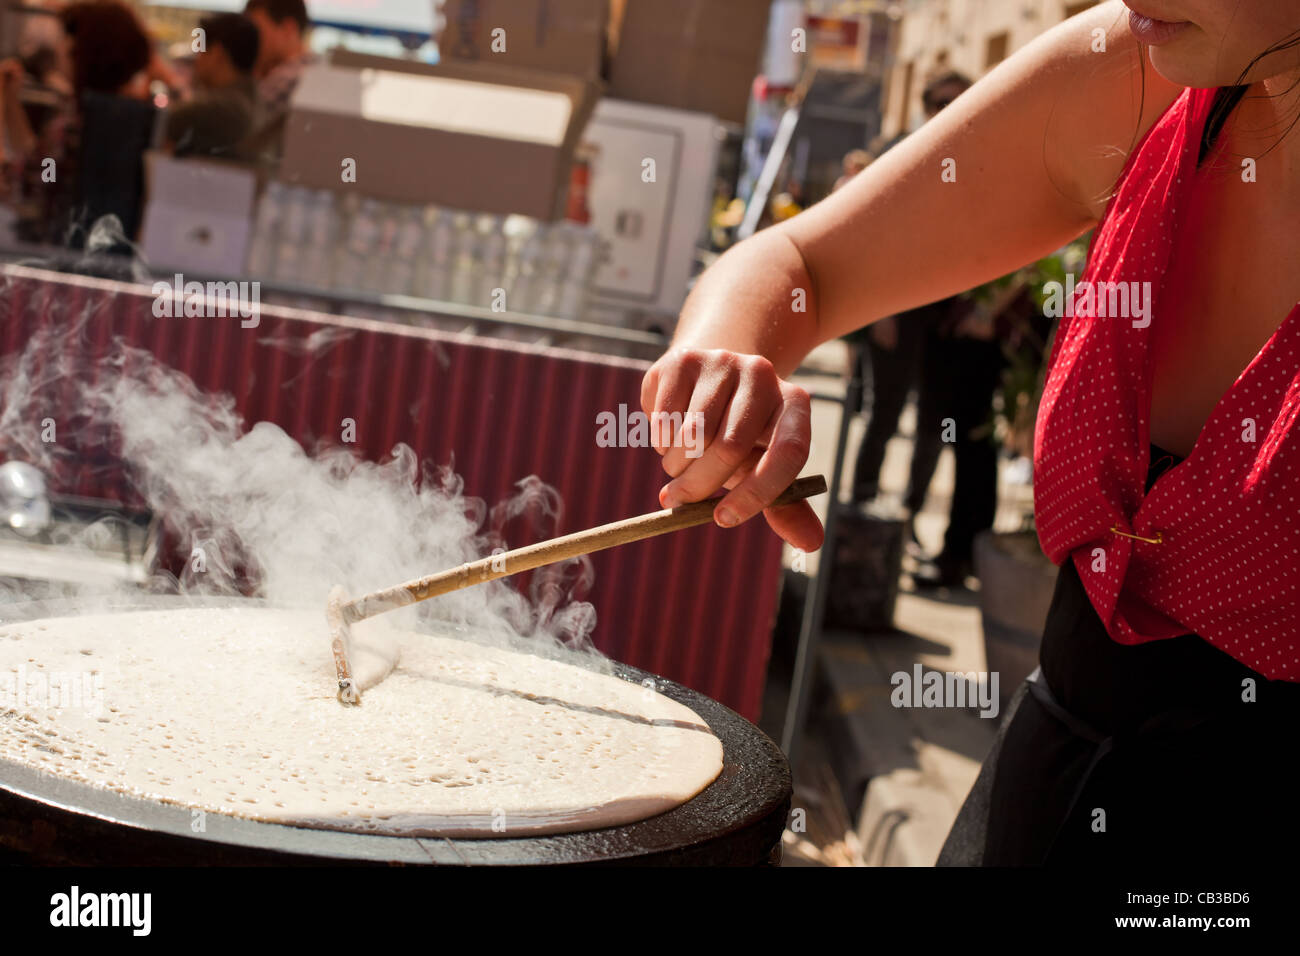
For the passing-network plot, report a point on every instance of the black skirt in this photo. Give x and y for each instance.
(1168, 752)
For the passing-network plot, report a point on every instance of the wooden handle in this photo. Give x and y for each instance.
(558, 549)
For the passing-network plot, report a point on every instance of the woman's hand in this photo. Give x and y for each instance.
(1030, 141)
(752, 437)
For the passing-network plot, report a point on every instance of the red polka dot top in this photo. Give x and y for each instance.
(1214, 547)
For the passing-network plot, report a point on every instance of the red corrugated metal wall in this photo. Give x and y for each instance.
(696, 606)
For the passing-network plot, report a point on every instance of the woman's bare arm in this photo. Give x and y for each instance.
(1035, 147)
(1015, 167)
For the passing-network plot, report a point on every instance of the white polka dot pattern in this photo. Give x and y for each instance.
(1227, 566)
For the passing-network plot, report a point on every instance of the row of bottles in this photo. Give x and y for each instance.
(318, 238)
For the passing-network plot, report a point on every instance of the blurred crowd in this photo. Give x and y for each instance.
(951, 355)
(90, 91)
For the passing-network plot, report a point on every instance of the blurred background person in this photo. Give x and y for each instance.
(42, 48)
(282, 55)
(108, 48)
(32, 125)
(890, 352)
(96, 140)
(220, 119)
(952, 353)
(18, 139)
(962, 358)
(854, 162)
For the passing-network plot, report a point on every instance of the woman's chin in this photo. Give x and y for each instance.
(1184, 70)
(1188, 62)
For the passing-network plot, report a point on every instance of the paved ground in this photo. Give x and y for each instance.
(881, 785)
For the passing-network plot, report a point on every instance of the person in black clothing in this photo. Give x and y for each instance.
(98, 139)
(219, 120)
(890, 353)
(962, 359)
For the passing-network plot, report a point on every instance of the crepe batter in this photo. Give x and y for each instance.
(233, 711)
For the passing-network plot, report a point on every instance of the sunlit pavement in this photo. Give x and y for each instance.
(881, 785)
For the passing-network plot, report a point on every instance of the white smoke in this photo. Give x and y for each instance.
(258, 507)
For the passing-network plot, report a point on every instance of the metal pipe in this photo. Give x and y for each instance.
(814, 609)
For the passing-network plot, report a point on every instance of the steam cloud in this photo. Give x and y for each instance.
(260, 506)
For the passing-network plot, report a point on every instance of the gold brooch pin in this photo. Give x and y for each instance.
(1158, 539)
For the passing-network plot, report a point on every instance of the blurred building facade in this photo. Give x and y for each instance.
(970, 36)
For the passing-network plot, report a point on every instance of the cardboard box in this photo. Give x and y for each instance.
(690, 54)
(198, 215)
(565, 36)
(468, 136)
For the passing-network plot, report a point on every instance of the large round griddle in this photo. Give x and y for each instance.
(737, 820)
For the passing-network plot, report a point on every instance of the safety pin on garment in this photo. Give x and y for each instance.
(1158, 539)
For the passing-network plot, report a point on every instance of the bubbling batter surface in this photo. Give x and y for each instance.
(233, 711)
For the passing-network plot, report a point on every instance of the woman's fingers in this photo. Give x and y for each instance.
(741, 473)
(714, 391)
(779, 465)
(743, 429)
(797, 524)
(667, 388)
(752, 405)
